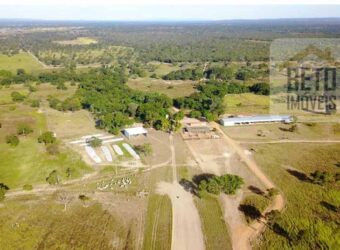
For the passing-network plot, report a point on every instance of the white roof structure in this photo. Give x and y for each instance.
(131, 151)
(93, 155)
(107, 153)
(135, 131)
(117, 149)
(255, 119)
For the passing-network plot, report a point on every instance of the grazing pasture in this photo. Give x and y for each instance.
(22, 60)
(173, 89)
(246, 104)
(311, 209)
(78, 41)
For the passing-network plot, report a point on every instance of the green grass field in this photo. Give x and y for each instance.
(29, 163)
(158, 222)
(246, 103)
(173, 89)
(309, 206)
(215, 230)
(38, 224)
(277, 131)
(162, 69)
(79, 41)
(22, 60)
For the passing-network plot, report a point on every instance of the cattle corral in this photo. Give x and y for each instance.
(194, 129)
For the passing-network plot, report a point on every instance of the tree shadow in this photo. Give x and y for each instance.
(330, 206)
(250, 211)
(4, 186)
(198, 178)
(189, 186)
(280, 231)
(337, 164)
(299, 175)
(256, 190)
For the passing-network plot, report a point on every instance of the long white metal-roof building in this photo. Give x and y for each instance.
(129, 132)
(234, 121)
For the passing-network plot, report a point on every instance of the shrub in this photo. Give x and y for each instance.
(322, 178)
(27, 187)
(260, 88)
(24, 129)
(47, 138)
(17, 97)
(272, 192)
(13, 140)
(144, 149)
(95, 142)
(53, 178)
(35, 103)
(3, 189)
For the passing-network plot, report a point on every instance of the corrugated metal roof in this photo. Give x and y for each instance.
(136, 131)
(258, 118)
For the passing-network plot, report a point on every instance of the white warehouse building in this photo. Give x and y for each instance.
(130, 132)
(234, 121)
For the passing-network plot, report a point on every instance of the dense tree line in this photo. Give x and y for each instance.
(166, 42)
(208, 101)
(224, 73)
(115, 105)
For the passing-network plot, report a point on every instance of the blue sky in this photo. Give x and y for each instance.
(165, 12)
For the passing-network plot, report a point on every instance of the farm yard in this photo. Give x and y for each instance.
(109, 139)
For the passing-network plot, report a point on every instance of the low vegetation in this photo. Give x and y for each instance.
(308, 181)
(213, 225)
(45, 224)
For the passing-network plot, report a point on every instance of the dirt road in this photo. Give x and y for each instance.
(246, 235)
(186, 224)
(289, 141)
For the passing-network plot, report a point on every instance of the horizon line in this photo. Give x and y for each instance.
(164, 20)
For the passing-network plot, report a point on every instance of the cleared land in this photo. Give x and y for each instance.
(278, 131)
(21, 60)
(79, 41)
(173, 89)
(246, 104)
